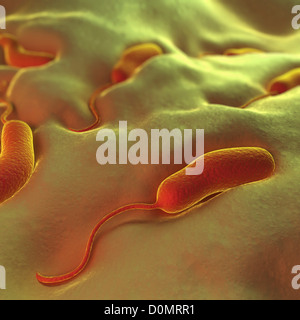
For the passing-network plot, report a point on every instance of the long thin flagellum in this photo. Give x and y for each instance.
(52, 280)
(7, 112)
(92, 107)
(266, 95)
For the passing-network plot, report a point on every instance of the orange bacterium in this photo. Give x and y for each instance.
(133, 58)
(17, 155)
(279, 85)
(223, 169)
(16, 56)
(241, 51)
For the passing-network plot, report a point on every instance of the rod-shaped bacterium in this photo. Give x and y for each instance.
(17, 157)
(16, 56)
(223, 170)
(133, 58)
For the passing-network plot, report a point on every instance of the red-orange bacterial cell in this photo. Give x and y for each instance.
(232, 52)
(133, 58)
(16, 56)
(241, 51)
(223, 169)
(279, 85)
(285, 82)
(17, 156)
